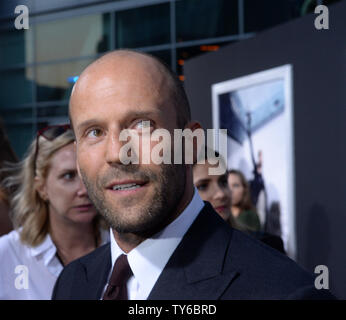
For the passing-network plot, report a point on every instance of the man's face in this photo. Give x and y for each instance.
(134, 198)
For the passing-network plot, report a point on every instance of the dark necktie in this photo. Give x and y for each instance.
(116, 288)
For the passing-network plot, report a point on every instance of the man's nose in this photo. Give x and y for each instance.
(113, 149)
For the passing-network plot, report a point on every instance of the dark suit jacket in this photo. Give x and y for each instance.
(213, 261)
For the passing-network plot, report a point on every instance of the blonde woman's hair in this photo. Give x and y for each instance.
(29, 212)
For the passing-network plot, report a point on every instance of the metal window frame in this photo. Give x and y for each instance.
(112, 8)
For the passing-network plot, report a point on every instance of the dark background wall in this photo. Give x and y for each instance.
(319, 81)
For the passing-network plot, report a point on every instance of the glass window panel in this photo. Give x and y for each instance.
(200, 19)
(15, 47)
(74, 37)
(16, 87)
(55, 81)
(20, 136)
(16, 114)
(145, 26)
(52, 111)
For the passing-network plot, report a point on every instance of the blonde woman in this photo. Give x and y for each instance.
(54, 220)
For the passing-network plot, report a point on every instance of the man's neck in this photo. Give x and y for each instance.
(127, 241)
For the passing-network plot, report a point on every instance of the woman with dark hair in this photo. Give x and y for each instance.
(214, 188)
(242, 208)
(5, 222)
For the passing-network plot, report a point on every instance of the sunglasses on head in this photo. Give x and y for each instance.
(50, 133)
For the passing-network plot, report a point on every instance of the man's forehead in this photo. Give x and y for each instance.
(85, 113)
(129, 76)
(116, 72)
(121, 64)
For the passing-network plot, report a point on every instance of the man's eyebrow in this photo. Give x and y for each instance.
(86, 124)
(136, 114)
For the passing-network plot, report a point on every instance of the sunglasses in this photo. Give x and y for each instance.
(50, 133)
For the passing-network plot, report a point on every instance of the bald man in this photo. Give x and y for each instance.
(166, 243)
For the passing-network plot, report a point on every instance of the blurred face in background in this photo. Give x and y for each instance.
(237, 189)
(64, 191)
(213, 188)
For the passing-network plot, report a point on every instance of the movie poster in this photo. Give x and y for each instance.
(257, 111)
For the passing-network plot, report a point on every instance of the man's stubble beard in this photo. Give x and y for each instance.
(156, 212)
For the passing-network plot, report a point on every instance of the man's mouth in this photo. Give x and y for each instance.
(126, 185)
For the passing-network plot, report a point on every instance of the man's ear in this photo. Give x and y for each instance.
(193, 126)
(40, 187)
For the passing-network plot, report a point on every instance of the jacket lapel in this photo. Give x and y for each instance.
(96, 274)
(197, 268)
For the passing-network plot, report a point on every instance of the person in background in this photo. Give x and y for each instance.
(53, 217)
(242, 208)
(245, 214)
(215, 190)
(5, 222)
(258, 190)
(6, 155)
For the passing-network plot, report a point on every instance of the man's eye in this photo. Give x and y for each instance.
(143, 124)
(94, 133)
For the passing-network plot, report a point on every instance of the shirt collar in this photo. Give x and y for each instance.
(47, 248)
(149, 258)
(104, 236)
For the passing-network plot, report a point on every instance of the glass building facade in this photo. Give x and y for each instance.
(38, 66)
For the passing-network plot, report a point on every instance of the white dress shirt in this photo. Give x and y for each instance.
(29, 273)
(149, 258)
